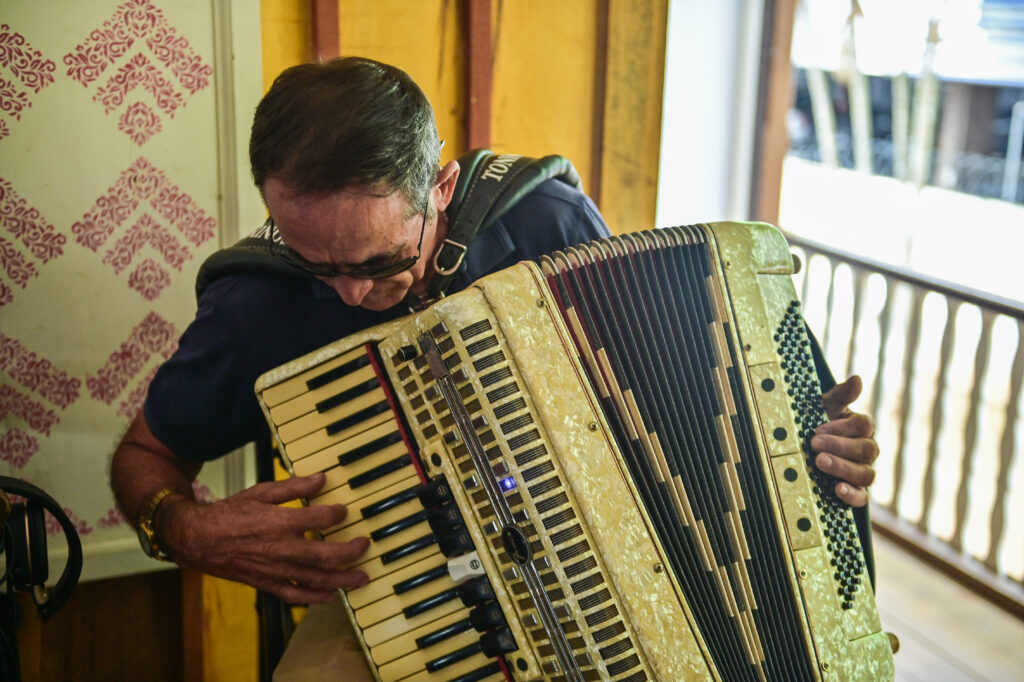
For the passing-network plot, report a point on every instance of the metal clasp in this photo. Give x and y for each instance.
(444, 272)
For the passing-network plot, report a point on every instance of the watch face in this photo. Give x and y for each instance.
(147, 545)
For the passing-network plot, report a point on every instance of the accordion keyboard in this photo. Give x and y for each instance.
(417, 621)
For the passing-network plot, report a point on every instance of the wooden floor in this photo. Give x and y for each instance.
(946, 632)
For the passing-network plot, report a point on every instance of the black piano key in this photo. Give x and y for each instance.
(444, 633)
(408, 548)
(338, 372)
(346, 395)
(453, 657)
(379, 471)
(431, 602)
(480, 673)
(381, 506)
(398, 526)
(487, 617)
(435, 493)
(476, 591)
(445, 519)
(454, 544)
(357, 417)
(498, 642)
(421, 579)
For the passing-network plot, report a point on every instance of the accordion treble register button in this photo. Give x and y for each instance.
(404, 354)
(434, 493)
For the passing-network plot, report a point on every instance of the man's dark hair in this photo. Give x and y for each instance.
(346, 123)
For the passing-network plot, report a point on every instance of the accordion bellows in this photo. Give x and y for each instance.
(591, 467)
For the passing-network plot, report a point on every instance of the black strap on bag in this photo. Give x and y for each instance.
(489, 184)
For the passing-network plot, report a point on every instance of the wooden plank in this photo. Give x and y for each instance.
(325, 29)
(1007, 448)
(904, 418)
(479, 79)
(219, 629)
(600, 94)
(544, 60)
(422, 39)
(285, 28)
(776, 100)
(968, 573)
(125, 628)
(946, 631)
(938, 415)
(632, 113)
(970, 441)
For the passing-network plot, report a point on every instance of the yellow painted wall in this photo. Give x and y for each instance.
(286, 36)
(544, 74)
(422, 38)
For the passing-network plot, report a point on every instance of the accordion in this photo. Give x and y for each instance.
(591, 467)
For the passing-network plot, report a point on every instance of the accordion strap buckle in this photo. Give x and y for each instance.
(445, 253)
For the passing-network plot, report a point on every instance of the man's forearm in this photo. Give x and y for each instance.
(142, 466)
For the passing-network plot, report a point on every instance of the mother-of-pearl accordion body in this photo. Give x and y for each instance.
(591, 467)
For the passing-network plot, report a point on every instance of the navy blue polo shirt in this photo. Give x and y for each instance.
(201, 404)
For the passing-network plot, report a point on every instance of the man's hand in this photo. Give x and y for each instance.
(845, 444)
(249, 538)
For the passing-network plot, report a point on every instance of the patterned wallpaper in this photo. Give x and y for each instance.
(109, 199)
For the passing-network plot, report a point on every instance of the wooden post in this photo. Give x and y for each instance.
(776, 99)
(326, 41)
(479, 73)
(630, 122)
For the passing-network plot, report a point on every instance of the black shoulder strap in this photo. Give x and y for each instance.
(255, 253)
(489, 184)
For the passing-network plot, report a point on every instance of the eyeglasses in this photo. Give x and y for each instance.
(332, 270)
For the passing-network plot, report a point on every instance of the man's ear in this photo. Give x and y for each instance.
(446, 178)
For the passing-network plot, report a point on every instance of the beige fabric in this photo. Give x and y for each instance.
(323, 647)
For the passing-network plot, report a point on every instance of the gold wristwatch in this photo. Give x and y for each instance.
(147, 535)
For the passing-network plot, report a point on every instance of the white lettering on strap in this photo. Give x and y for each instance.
(497, 168)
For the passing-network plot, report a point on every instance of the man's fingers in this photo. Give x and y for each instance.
(853, 473)
(841, 395)
(852, 495)
(279, 492)
(291, 593)
(299, 550)
(855, 478)
(315, 578)
(859, 450)
(329, 555)
(855, 425)
(314, 517)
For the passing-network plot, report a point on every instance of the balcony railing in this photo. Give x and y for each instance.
(943, 368)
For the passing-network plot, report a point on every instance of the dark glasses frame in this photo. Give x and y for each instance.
(331, 270)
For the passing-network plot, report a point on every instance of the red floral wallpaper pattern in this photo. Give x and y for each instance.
(28, 67)
(145, 228)
(142, 185)
(136, 23)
